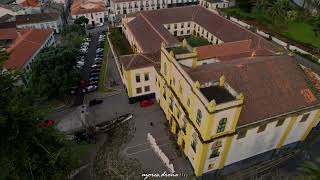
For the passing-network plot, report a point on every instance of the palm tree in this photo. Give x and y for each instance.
(311, 170)
(278, 10)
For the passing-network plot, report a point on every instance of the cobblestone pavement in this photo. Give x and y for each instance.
(111, 163)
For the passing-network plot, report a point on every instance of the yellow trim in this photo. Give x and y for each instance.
(201, 159)
(286, 131)
(188, 136)
(129, 83)
(208, 126)
(236, 118)
(225, 151)
(310, 126)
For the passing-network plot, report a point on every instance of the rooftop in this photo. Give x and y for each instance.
(136, 61)
(149, 31)
(268, 83)
(87, 6)
(217, 93)
(36, 18)
(25, 44)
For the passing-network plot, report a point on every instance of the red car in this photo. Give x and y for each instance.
(47, 123)
(146, 103)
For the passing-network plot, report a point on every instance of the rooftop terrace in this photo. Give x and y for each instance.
(217, 93)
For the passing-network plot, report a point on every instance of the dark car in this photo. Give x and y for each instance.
(94, 71)
(98, 63)
(94, 75)
(94, 78)
(84, 136)
(99, 56)
(95, 102)
(93, 83)
(73, 90)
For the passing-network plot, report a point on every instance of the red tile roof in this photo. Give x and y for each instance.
(271, 85)
(79, 7)
(8, 34)
(36, 18)
(222, 28)
(136, 61)
(26, 44)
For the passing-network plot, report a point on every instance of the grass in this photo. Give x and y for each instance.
(195, 41)
(103, 71)
(120, 42)
(302, 33)
(300, 30)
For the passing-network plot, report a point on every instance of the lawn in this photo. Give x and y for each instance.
(119, 42)
(302, 33)
(195, 41)
(102, 77)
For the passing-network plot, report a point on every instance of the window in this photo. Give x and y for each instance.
(188, 31)
(137, 78)
(174, 81)
(188, 102)
(164, 93)
(194, 142)
(182, 25)
(168, 26)
(146, 88)
(171, 104)
(214, 153)
(280, 122)
(215, 149)
(178, 114)
(242, 134)
(146, 77)
(181, 33)
(189, 24)
(304, 117)
(210, 166)
(175, 26)
(139, 90)
(222, 125)
(184, 125)
(199, 116)
(262, 128)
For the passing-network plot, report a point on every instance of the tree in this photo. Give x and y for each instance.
(245, 5)
(311, 170)
(261, 4)
(82, 21)
(316, 26)
(28, 151)
(72, 36)
(53, 72)
(278, 11)
(3, 56)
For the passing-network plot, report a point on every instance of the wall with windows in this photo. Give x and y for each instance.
(143, 81)
(95, 18)
(120, 8)
(56, 25)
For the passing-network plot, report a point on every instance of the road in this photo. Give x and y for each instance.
(87, 66)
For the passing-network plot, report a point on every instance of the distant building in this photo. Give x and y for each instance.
(214, 4)
(94, 10)
(40, 21)
(233, 103)
(7, 10)
(23, 45)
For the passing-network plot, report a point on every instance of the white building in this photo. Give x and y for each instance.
(214, 4)
(94, 10)
(40, 21)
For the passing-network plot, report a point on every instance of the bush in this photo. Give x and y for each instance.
(120, 42)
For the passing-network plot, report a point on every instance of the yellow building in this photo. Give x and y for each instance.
(230, 104)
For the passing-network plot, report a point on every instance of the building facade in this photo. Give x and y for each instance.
(94, 10)
(238, 101)
(40, 21)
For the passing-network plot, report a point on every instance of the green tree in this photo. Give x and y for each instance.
(245, 5)
(82, 21)
(310, 170)
(3, 56)
(53, 72)
(260, 4)
(316, 26)
(72, 35)
(27, 151)
(278, 11)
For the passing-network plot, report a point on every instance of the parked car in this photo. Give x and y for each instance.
(47, 123)
(89, 88)
(146, 103)
(95, 83)
(94, 78)
(94, 74)
(96, 66)
(87, 39)
(80, 63)
(98, 63)
(95, 70)
(95, 102)
(99, 50)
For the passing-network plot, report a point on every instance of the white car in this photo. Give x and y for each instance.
(87, 39)
(89, 88)
(81, 63)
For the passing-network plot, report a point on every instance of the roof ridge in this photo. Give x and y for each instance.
(148, 58)
(131, 60)
(150, 24)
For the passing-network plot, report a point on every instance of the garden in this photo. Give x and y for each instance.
(281, 18)
(119, 42)
(195, 41)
